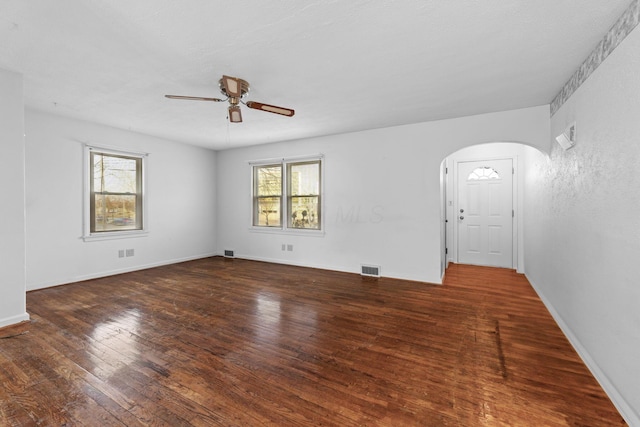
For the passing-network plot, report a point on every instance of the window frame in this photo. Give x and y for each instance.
(88, 199)
(285, 204)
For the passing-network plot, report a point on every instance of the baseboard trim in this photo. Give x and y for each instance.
(324, 267)
(117, 271)
(12, 320)
(288, 262)
(627, 412)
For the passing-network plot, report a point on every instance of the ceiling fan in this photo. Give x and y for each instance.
(235, 89)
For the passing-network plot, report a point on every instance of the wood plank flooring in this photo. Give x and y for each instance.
(220, 342)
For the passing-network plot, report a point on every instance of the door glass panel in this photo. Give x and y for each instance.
(484, 172)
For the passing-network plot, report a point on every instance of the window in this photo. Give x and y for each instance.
(303, 195)
(287, 195)
(267, 197)
(483, 173)
(115, 193)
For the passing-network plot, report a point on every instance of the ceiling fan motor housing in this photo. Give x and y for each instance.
(233, 87)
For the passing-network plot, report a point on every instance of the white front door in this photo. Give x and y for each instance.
(484, 213)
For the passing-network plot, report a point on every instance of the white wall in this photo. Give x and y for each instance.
(582, 228)
(181, 202)
(12, 249)
(382, 193)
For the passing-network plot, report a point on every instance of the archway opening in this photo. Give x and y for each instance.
(523, 158)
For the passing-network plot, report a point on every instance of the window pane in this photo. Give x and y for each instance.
(483, 173)
(303, 212)
(267, 194)
(114, 174)
(303, 195)
(267, 212)
(304, 179)
(268, 180)
(114, 213)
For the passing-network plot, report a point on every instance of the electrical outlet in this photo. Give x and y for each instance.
(130, 252)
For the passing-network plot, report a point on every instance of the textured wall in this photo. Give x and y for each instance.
(582, 228)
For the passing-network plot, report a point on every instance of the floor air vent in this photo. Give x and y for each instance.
(228, 253)
(370, 271)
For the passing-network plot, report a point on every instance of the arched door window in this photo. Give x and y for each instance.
(482, 173)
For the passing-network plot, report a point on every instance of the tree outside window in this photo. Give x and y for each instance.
(267, 196)
(115, 192)
(303, 195)
(300, 181)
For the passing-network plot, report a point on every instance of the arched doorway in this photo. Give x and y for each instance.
(503, 231)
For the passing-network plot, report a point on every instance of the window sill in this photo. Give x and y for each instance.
(96, 237)
(287, 231)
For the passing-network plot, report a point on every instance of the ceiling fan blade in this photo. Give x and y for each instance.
(194, 98)
(270, 108)
(232, 86)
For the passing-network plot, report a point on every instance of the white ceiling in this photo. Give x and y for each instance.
(342, 65)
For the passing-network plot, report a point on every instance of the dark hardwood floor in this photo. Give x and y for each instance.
(240, 343)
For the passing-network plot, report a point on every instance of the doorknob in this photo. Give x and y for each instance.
(461, 217)
(461, 210)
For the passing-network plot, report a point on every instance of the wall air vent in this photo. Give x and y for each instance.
(228, 253)
(370, 270)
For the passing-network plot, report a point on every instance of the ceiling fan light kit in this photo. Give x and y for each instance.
(235, 116)
(235, 89)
